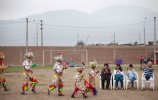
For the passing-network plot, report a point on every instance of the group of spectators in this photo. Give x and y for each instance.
(119, 75)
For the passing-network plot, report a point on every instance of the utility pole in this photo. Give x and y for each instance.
(139, 39)
(114, 49)
(114, 38)
(27, 34)
(77, 38)
(41, 32)
(36, 32)
(144, 33)
(154, 41)
(145, 38)
(87, 39)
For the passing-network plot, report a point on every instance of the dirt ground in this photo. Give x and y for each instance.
(44, 78)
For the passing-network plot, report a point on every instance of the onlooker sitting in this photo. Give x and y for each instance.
(148, 75)
(105, 76)
(131, 74)
(118, 73)
(145, 60)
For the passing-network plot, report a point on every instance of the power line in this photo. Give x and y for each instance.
(14, 22)
(90, 26)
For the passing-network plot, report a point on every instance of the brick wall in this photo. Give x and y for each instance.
(129, 54)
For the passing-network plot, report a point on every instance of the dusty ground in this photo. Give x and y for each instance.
(44, 77)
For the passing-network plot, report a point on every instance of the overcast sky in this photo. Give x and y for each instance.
(14, 9)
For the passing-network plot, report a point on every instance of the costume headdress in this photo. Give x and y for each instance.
(78, 69)
(59, 57)
(92, 64)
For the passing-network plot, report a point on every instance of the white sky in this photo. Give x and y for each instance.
(14, 9)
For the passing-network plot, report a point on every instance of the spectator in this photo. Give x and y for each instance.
(145, 60)
(118, 74)
(131, 74)
(148, 76)
(105, 76)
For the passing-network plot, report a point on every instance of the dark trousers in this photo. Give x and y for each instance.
(107, 83)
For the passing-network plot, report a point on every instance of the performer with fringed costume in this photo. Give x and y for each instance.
(28, 74)
(92, 75)
(57, 80)
(79, 83)
(2, 68)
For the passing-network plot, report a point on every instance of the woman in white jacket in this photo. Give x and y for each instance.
(118, 74)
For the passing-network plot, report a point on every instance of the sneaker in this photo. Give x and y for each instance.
(85, 96)
(6, 89)
(121, 88)
(107, 88)
(94, 94)
(72, 96)
(48, 92)
(33, 90)
(151, 89)
(143, 89)
(116, 88)
(23, 93)
(60, 95)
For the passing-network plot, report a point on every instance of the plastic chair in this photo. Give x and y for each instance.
(147, 81)
(135, 82)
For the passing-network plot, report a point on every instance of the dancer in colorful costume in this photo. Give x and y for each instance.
(92, 75)
(57, 80)
(28, 74)
(2, 68)
(79, 83)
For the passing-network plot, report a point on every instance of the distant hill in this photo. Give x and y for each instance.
(62, 27)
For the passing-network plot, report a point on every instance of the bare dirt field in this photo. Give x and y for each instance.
(14, 80)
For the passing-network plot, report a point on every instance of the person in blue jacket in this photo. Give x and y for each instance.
(131, 74)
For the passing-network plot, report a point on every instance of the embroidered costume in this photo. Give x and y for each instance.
(28, 74)
(79, 83)
(92, 75)
(57, 80)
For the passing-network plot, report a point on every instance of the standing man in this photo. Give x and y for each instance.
(141, 61)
